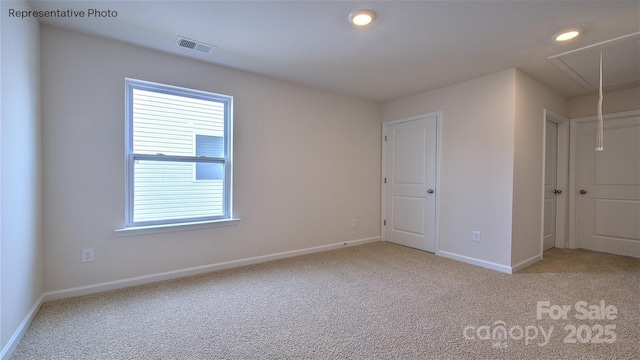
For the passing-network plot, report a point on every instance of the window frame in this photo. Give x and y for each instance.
(131, 157)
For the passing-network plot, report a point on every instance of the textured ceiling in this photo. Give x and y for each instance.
(413, 46)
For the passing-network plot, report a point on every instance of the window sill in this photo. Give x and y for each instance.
(144, 230)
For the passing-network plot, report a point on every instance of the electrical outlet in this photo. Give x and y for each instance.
(475, 236)
(87, 255)
(354, 222)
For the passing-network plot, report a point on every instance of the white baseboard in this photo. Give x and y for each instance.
(21, 330)
(140, 280)
(478, 262)
(528, 262)
(146, 279)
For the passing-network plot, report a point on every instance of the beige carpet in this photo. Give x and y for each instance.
(374, 301)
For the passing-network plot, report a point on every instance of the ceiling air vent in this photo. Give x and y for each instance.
(194, 45)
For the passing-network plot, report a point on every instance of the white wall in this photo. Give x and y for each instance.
(476, 162)
(491, 164)
(531, 100)
(20, 235)
(612, 102)
(305, 163)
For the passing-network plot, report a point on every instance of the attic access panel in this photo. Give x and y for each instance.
(620, 62)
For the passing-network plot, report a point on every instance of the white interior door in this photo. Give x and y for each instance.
(608, 187)
(410, 182)
(550, 185)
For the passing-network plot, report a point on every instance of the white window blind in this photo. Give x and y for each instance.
(178, 154)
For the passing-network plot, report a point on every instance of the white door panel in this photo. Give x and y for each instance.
(410, 182)
(626, 212)
(549, 223)
(608, 187)
(618, 164)
(409, 155)
(409, 214)
(550, 185)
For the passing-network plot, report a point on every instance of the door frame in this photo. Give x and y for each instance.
(562, 177)
(573, 153)
(383, 173)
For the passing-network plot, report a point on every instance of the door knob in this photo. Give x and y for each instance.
(583, 192)
(430, 191)
(557, 191)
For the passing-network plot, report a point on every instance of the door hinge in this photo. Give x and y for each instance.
(384, 223)
(385, 180)
(385, 138)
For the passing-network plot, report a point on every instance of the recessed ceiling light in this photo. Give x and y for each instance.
(567, 35)
(362, 17)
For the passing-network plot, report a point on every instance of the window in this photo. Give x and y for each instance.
(209, 146)
(178, 146)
